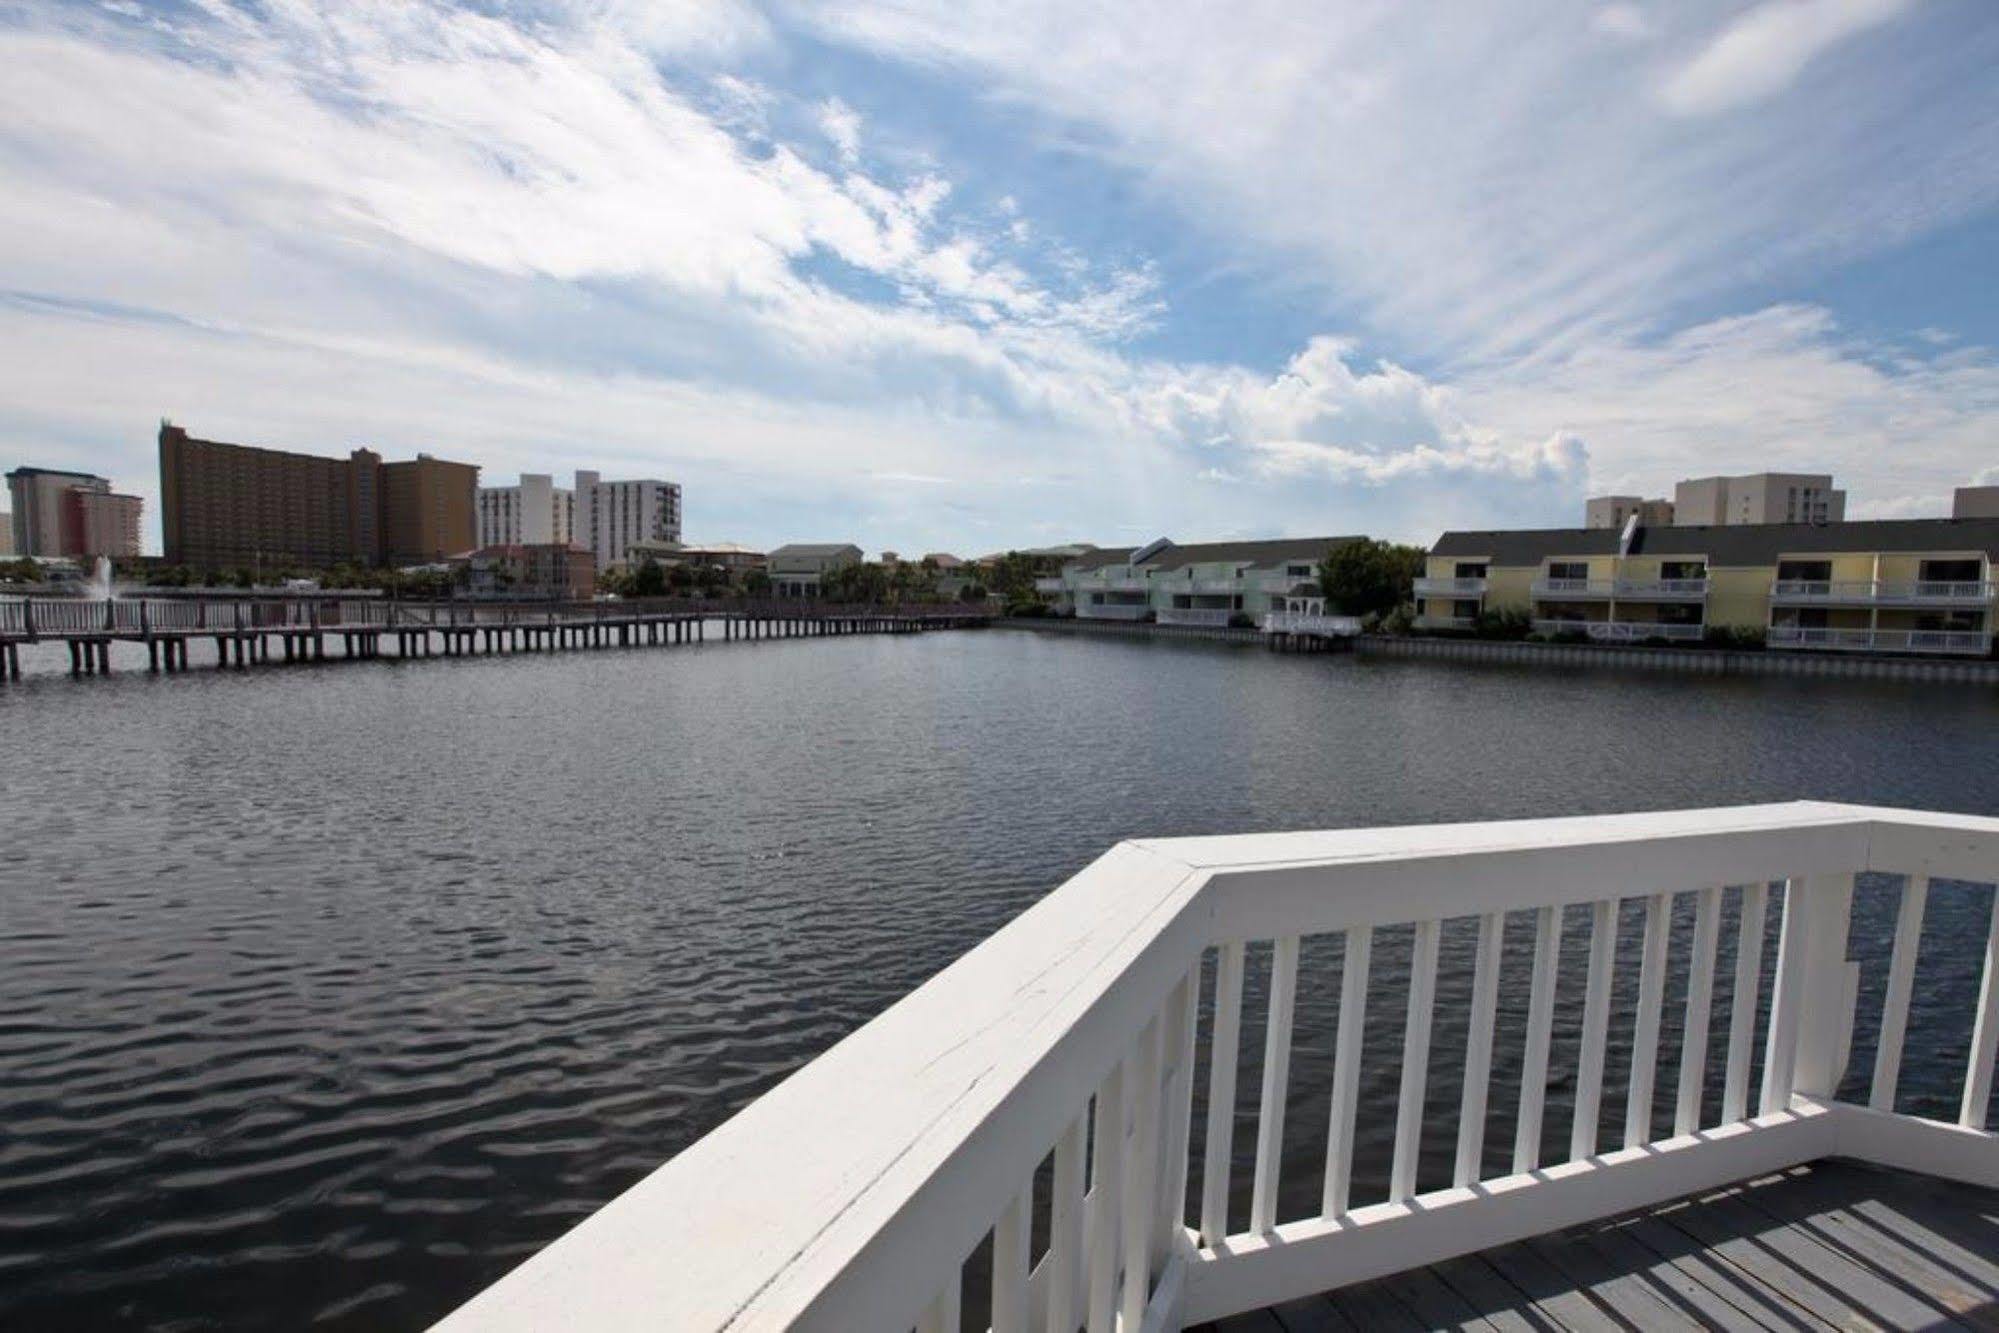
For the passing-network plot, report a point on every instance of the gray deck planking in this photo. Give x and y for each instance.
(1834, 1244)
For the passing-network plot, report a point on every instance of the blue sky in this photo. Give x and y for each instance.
(969, 274)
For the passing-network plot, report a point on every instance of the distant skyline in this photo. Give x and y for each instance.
(966, 275)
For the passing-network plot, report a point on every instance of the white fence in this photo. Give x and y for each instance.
(1194, 615)
(1311, 622)
(1621, 631)
(1043, 1102)
(1973, 642)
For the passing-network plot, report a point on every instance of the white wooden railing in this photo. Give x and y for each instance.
(1975, 643)
(1573, 589)
(1427, 587)
(1036, 1101)
(1865, 592)
(1195, 615)
(1662, 590)
(1621, 631)
(1311, 622)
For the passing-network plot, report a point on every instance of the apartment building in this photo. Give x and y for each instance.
(241, 506)
(1614, 511)
(800, 569)
(612, 516)
(1759, 498)
(736, 561)
(1903, 585)
(6, 534)
(1200, 583)
(534, 512)
(544, 571)
(73, 514)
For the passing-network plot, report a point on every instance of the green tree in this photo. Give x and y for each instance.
(1369, 577)
(757, 583)
(648, 580)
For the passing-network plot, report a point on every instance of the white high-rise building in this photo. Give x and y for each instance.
(535, 513)
(612, 516)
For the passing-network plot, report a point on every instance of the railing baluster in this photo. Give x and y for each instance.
(1141, 1173)
(1415, 1060)
(1478, 1050)
(1540, 1025)
(1065, 1232)
(1700, 1008)
(1170, 1219)
(1780, 1046)
(1276, 1084)
(1346, 1070)
(1645, 1037)
(1224, 1053)
(1107, 1147)
(1596, 1027)
(1985, 1035)
(942, 1316)
(1895, 1004)
(1742, 1002)
(1010, 1246)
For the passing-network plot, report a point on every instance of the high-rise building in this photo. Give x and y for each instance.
(1612, 511)
(536, 512)
(238, 506)
(612, 516)
(427, 509)
(1761, 497)
(6, 534)
(71, 514)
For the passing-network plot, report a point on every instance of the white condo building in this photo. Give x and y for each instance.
(614, 516)
(535, 513)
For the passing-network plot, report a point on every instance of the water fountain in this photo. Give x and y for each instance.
(99, 587)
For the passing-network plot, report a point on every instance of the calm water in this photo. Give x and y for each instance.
(329, 994)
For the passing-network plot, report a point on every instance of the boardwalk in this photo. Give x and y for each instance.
(1830, 1245)
(249, 631)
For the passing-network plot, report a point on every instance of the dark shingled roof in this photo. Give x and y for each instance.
(1743, 545)
(1279, 551)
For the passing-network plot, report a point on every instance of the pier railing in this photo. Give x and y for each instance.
(1034, 1103)
(54, 617)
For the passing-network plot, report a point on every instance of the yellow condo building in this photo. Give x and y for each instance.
(1894, 586)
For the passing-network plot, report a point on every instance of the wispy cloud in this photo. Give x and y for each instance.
(1764, 51)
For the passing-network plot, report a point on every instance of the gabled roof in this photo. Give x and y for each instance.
(1740, 545)
(816, 548)
(1279, 551)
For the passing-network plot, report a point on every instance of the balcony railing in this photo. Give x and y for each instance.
(1974, 643)
(1821, 592)
(1574, 590)
(1304, 622)
(1113, 611)
(1446, 622)
(852, 1195)
(1115, 585)
(1279, 582)
(1662, 590)
(1450, 587)
(1190, 615)
(1621, 631)
(1049, 587)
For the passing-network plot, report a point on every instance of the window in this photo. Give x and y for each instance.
(1683, 569)
(1952, 571)
(1804, 571)
(1470, 569)
(1568, 569)
(1298, 571)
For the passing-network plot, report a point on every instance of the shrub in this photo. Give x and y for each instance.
(1508, 623)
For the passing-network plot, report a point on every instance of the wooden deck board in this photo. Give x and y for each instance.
(1831, 1245)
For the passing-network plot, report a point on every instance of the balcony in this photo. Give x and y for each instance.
(1193, 615)
(1622, 631)
(1958, 643)
(1049, 587)
(1113, 611)
(1278, 582)
(1662, 590)
(1820, 592)
(1450, 587)
(1574, 590)
(1113, 585)
(853, 1194)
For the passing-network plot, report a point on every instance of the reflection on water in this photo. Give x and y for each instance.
(330, 993)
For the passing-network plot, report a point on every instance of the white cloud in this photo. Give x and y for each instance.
(1625, 22)
(1764, 51)
(841, 124)
(1485, 184)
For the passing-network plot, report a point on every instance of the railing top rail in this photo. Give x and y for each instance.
(887, 1155)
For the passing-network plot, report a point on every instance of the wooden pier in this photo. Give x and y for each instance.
(251, 631)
